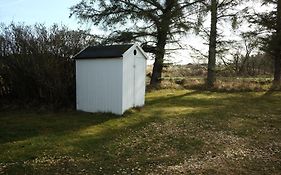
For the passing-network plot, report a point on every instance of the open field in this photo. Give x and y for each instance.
(223, 84)
(180, 131)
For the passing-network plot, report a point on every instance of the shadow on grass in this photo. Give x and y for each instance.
(17, 126)
(219, 110)
(32, 125)
(102, 135)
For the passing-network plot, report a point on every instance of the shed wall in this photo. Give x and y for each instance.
(128, 81)
(99, 85)
(140, 72)
(134, 69)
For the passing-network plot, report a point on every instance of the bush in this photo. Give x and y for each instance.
(41, 79)
(35, 63)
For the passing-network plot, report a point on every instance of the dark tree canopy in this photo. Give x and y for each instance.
(269, 31)
(155, 23)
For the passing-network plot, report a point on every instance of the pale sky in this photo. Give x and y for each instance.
(38, 11)
(49, 12)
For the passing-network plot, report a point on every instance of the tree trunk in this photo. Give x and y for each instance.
(157, 67)
(159, 59)
(277, 71)
(277, 60)
(211, 77)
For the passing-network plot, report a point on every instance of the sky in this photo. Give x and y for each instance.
(38, 11)
(49, 12)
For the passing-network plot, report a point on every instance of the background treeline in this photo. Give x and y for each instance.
(35, 64)
(259, 65)
(255, 65)
(239, 73)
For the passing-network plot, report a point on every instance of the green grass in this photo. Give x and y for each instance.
(177, 132)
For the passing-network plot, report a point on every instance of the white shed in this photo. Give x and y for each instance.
(110, 78)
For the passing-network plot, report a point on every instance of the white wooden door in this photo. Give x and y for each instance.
(139, 80)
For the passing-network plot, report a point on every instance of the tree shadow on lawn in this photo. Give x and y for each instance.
(213, 115)
(97, 142)
(17, 126)
(242, 114)
(198, 99)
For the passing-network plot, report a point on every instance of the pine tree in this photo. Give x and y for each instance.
(220, 10)
(270, 26)
(156, 22)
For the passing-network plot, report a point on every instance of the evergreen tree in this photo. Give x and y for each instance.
(270, 25)
(221, 10)
(156, 22)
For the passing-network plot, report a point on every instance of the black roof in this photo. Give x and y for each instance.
(112, 51)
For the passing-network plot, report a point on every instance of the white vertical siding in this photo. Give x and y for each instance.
(140, 72)
(128, 79)
(111, 84)
(134, 67)
(99, 85)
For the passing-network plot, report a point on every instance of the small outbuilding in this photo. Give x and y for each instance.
(110, 78)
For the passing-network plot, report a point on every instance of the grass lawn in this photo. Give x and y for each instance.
(177, 132)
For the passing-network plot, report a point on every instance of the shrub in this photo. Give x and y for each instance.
(35, 64)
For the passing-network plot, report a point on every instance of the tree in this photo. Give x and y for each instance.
(269, 30)
(250, 43)
(221, 10)
(277, 73)
(212, 44)
(156, 23)
(243, 51)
